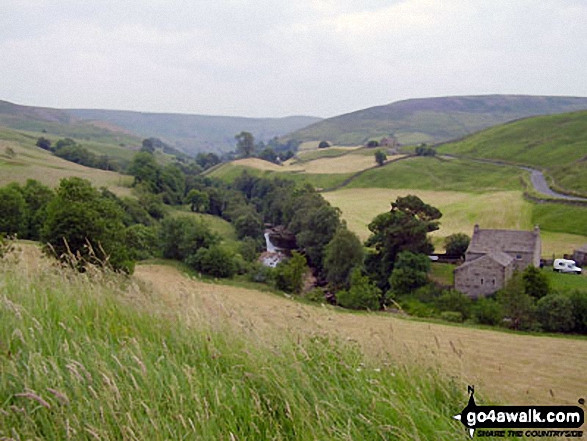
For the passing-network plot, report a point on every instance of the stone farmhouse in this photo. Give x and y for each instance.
(492, 258)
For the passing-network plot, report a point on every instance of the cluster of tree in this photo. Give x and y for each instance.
(424, 150)
(323, 145)
(69, 150)
(274, 151)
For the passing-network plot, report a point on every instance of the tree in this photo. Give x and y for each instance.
(82, 221)
(456, 244)
(555, 313)
(198, 200)
(145, 170)
(148, 146)
(37, 196)
(323, 145)
(14, 211)
(373, 143)
(290, 273)
(410, 272)
(380, 157)
(487, 311)
(183, 236)
(361, 295)
(404, 228)
(536, 283)
(341, 255)
(517, 306)
(214, 261)
(249, 225)
(245, 145)
(455, 301)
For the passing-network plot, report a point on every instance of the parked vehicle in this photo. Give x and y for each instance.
(566, 266)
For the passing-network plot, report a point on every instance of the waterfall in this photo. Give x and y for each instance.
(270, 247)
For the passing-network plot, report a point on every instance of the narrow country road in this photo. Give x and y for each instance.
(536, 177)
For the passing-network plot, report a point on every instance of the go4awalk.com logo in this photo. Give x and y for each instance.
(532, 421)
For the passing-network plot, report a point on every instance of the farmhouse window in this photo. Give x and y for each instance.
(519, 256)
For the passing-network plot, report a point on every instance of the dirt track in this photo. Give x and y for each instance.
(515, 369)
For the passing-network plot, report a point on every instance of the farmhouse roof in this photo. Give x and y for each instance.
(487, 240)
(499, 257)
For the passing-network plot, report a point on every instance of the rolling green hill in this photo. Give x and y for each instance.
(433, 120)
(556, 144)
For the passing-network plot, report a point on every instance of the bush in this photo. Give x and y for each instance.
(214, 261)
(181, 237)
(142, 241)
(289, 274)
(323, 144)
(260, 273)
(455, 301)
(452, 316)
(417, 308)
(315, 295)
(579, 304)
(14, 211)
(361, 295)
(487, 311)
(555, 313)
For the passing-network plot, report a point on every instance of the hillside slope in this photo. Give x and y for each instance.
(555, 143)
(195, 133)
(433, 120)
(61, 124)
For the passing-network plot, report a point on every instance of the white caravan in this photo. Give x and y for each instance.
(566, 266)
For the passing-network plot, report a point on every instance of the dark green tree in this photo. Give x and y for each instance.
(487, 311)
(199, 200)
(13, 219)
(517, 306)
(323, 145)
(341, 255)
(410, 272)
(214, 261)
(249, 225)
(404, 228)
(183, 236)
(380, 157)
(555, 313)
(245, 144)
(536, 283)
(455, 301)
(457, 244)
(145, 170)
(82, 221)
(37, 196)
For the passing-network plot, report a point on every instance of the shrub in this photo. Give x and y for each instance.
(487, 311)
(455, 301)
(214, 261)
(555, 313)
(181, 237)
(361, 295)
(315, 295)
(417, 308)
(323, 144)
(579, 304)
(452, 316)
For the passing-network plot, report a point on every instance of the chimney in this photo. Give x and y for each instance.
(476, 229)
(536, 230)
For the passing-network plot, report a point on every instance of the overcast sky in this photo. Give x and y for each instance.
(277, 58)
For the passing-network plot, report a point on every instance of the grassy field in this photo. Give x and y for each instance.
(526, 378)
(31, 162)
(555, 143)
(461, 211)
(436, 174)
(98, 356)
(330, 152)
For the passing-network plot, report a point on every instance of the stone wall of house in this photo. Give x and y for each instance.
(580, 257)
(482, 277)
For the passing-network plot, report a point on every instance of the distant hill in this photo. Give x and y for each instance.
(62, 124)
(555, 143)
(433, 120)
(195, 133)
